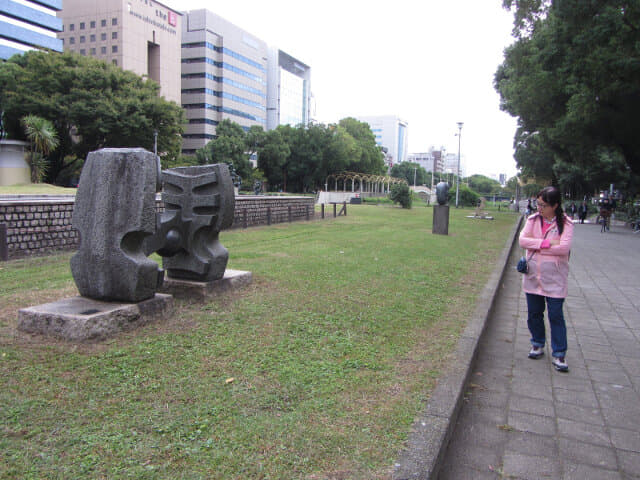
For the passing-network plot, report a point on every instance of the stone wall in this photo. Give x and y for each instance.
(40, 225)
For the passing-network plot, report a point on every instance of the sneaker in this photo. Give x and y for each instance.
(536, 352)
(560, 364)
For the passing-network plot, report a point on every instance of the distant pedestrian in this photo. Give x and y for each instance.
(572, 210)
(529, 210)
(582, 211)
(547, 238)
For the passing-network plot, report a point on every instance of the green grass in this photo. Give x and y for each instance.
(36, 189)
(315, 371)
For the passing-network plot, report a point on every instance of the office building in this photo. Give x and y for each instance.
(142, 36)
(289, 90)
(28, 25)
(224, 75)
(431, 161)
(391, 133)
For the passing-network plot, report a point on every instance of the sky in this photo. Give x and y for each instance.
(429, 62)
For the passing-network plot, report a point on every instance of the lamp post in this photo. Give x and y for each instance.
(458, 172)
(155, 142)
(415, 169)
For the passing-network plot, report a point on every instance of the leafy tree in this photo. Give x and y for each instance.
(42, 140)
(229, 146)
(410, 171)
(92, 105)
(466, 196)
(483, 185)
(368, 157)
(272, 157)
(402, 194)
(573, 80)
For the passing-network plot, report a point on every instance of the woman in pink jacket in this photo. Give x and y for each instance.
(547, 237)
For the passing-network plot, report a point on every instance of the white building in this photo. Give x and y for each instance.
(391, 133)
(288, 90)
(28, 25)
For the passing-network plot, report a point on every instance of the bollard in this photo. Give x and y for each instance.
(244, 218)
(4, 250)
(322, 210)
(335, 210)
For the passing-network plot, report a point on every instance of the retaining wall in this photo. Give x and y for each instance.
(39, 225)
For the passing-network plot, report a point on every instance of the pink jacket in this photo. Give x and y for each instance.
(548, 267)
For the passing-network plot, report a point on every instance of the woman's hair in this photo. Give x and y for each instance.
(551, 196)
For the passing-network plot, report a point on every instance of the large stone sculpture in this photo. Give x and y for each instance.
(114, 212)
(199, 202)
(441, 211)
(116, 217)
(442, 193)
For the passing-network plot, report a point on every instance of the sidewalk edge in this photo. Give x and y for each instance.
(430, 433)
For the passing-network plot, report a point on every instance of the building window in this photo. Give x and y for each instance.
(103, 36)
(114, 21)
(83, 51)
(114, 35)
(81, 25)
(72, 40)
(93, 24)
(103, 50)
(115, 62)
(92, 37)
(114, 48)
(82, 39)
(72, 27)
(93, 51)
(103, 23)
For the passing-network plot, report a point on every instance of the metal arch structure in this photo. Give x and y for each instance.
(367, 184)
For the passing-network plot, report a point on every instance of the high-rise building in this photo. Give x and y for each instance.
(391, 133)
(431, 161)
(28, 25)
(224, 75)
(142, 36)
(289, 90)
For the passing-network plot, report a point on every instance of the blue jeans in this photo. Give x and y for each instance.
(535, 321)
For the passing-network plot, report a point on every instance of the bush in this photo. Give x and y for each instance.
(400, 193)
(466, 196)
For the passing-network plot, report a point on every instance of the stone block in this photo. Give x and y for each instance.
(187, 289)
(81, 319)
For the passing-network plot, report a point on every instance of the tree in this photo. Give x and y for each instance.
(573, 80)
(42, 140)
(410, 171)
(229, 146)
(483, 185)
(92, 105)
(368, 158)
(402, 194)
(272, 156)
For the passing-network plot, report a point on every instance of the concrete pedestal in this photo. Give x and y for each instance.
(440, 220)
(80, 319)
(188, 289)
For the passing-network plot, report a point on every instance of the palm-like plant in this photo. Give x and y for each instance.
(43, 140)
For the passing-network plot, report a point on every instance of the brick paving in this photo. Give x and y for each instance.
(523, 420)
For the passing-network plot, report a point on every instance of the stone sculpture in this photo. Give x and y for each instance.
(114, 212)
(442, 193)
(199, 202)
(116, 216)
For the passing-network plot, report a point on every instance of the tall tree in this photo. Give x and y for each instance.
(410, 171)
(92, 104)
(42, 140)
(369, 157)
(229, 146)
(573, 80)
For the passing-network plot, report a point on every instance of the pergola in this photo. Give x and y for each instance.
(367, 184)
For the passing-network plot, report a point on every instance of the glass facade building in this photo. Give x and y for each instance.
(392, 134)
(28, 25)
(289, 92)
(224, 75)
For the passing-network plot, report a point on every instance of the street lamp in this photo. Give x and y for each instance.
(415, 169)
(155, 142)
(458, 181)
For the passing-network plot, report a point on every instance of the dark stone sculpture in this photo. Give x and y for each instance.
(114, 212)
(257, 187)
(199, 203)
(442, 193)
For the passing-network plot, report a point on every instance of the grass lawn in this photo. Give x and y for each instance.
(36, 189)
(315, 371)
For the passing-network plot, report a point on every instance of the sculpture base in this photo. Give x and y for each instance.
(189, 289)
(440, 220)
(81, 319)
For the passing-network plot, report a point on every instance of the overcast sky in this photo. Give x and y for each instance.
(429, 62)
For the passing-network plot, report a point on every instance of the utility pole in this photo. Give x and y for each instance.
(458, 181)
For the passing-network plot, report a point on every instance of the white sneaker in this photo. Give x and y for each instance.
(536, 352)
(560, 364)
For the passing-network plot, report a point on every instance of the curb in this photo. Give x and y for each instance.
(430, 434)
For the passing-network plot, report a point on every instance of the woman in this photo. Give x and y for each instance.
(547, 238)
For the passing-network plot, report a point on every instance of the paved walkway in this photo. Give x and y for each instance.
(523, 420)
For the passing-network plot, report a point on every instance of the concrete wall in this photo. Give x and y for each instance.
(36, 226)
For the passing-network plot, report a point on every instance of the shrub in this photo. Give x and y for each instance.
(400, 193)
